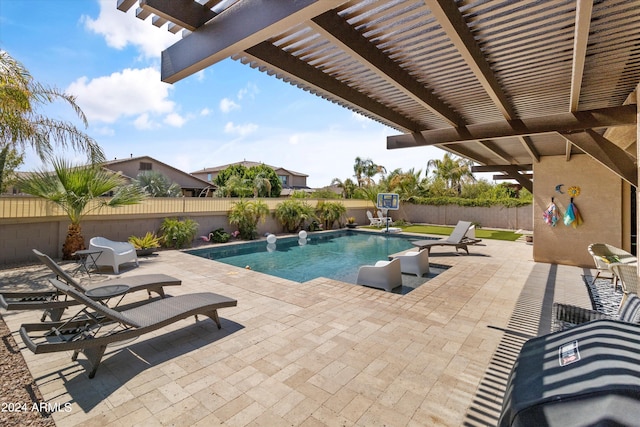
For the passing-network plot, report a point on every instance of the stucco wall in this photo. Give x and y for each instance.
(599, 203)
(493, 217)
(18, 236)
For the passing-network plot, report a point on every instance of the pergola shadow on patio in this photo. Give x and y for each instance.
(321, 352)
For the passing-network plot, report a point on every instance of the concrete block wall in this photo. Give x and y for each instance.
(18, 238)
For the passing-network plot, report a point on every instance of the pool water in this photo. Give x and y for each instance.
(335, 255)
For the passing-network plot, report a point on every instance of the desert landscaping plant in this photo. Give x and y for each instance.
(246, 214)
(330, 212)
(78, 190)
(293, 213)
(219, 236)
(177, 233)
(148, 241)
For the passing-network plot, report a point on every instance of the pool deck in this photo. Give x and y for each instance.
(322, 353)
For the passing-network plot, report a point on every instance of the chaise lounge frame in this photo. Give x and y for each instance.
(54, 304)
(97, 326)
(458, 238)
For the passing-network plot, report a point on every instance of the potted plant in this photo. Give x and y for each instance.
(351, 222)
(145, 245)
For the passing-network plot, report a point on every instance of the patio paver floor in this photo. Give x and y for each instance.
(321, 352)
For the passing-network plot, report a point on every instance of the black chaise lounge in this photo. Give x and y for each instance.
(54, 304)
(97, 325)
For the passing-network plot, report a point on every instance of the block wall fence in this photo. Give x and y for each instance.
(27, 223)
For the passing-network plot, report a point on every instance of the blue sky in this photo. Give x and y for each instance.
(226, 113)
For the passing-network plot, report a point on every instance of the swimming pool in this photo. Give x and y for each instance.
(335, 255)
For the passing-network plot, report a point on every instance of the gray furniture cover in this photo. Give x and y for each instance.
(584, 376)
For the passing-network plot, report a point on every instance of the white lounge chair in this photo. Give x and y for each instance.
(113, 254)
(457, 238)
(415, 262)
(373, 220)
(383, 275)
(384, 219)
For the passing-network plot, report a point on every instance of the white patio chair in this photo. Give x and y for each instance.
(383, 275)
(113, 254)
(415, 262)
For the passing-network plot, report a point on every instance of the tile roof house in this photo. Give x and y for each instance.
(290, 180)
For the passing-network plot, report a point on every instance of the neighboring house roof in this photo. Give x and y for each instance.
(188, 181)
(247, 164)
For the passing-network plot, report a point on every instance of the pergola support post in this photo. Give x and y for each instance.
(637, 170)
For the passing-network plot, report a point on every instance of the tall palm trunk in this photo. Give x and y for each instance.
(74, 241)
(3, 160)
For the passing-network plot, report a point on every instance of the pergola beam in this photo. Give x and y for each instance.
(452, 22)
(244, 24)
(339, 32)
(607, 153)
(188, 14)
(531, 149)
(502, 168)
(511, 172)
(299, 70)
(564, 122)
(580, 40)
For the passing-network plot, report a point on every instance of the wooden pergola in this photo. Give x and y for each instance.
(501, 83)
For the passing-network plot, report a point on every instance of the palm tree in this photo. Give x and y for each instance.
(406, 184)
(365, 170)
(261, 184)
(78, 191)
(156, 184)
(452, 170)
(246, 214)
(358, 170)
(347, 186)
(21, 125)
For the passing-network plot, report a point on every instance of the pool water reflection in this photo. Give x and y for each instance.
(335, 255)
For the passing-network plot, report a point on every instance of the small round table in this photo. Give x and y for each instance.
(105, 293)
(87, 259)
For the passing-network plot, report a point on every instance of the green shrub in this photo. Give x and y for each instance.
(219, 236)
(245, 214)
(177, 233)
(149, 241)
(330, 212)
(293, 213)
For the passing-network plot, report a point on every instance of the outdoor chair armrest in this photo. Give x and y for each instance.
(565, 316)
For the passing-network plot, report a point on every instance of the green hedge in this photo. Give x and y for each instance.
(444, 200)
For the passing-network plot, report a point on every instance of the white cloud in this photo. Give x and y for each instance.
(294, 139)
(120, 30)
(128, 93)
(143, 122)
(103, 130)
(249, 91)
(175, 120)
(240, 130)
(205, 112)
(227, 105)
